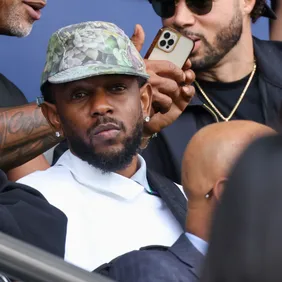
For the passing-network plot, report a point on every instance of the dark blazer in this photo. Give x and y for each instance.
(164, 153)
(26, 215)
(180, 263)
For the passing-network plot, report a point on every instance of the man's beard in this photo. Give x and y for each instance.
(108, 161)
(225, 40)
(16, 25)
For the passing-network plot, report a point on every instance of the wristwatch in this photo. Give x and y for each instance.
(39, 101)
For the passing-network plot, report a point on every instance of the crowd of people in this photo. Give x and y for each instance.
(159, 173)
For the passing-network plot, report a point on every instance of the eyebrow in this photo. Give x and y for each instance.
(77, 86)
(88, 85)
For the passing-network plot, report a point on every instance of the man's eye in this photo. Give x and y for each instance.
(78, 95)
(118, 88)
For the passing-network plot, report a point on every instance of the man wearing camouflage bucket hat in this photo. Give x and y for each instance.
(96, 96)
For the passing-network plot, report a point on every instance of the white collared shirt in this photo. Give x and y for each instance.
(198, 243)
(108, 214)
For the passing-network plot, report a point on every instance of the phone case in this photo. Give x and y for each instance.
(176, 52)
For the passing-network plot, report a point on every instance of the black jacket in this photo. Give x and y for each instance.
(26, 215)
(164, 153)
(180, 263)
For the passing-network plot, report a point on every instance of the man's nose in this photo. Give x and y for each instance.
(183, 16)
(100, 105)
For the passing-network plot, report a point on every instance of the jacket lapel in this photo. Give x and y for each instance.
(170, 194)
(184, 250)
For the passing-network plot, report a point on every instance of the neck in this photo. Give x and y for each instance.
(237, 64)
(198, 222)
(130, 170)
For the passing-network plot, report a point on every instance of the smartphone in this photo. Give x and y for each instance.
(170, 45)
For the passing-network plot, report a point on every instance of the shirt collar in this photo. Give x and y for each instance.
(140, 175)
(110, 184)
(198, 243)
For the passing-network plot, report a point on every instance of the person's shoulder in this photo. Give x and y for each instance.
(268, 46)
(48, 179)
(147, 259)
(23, 209)
(149, 265)
(4, 79)
(7, 186)
(11, 95)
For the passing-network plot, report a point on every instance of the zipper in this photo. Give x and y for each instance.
(212, 112)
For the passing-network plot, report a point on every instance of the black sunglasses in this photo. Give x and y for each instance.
(166, 8)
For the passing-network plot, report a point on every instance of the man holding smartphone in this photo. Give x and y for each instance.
(237, 75)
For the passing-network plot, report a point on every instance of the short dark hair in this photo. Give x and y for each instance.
(49, 97)
(47, 93)
(258, 10)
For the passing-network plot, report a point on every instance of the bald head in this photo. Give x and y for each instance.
(213, 150)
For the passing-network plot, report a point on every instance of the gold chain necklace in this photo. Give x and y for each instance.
(238, 102)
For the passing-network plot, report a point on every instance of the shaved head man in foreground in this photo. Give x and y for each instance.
(207, 161)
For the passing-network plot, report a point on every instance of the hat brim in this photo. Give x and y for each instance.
(82, 72)
(268, 12)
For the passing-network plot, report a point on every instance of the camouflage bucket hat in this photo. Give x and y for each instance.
(90, 49)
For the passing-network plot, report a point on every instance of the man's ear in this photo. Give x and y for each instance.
(249, 6)
(219, 188)
(146, 94)
(50, 112)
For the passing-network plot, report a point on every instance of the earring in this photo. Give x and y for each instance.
(147, 119)
(57, 134)
(209, 194)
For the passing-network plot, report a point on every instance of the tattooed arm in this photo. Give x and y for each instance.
(24, 135)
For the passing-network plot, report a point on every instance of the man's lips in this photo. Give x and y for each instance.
(34, 8)
(193, 38)
(36, 5)
(102, 128)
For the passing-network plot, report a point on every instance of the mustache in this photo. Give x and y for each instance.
(104, 120)
(188, 33)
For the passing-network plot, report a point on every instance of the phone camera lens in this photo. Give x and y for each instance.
(167, 35)
(170, 42)
(162, 43)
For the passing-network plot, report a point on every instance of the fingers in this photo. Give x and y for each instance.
(189, 77)
(164, 85)
(170, 85)
(187, 93)
(166, 69)
(138, 37)
(161, 103)
(187, 65)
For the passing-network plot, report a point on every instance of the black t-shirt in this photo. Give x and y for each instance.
(10, 94)
(225, 96)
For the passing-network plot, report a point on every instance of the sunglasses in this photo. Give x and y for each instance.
(166, 8)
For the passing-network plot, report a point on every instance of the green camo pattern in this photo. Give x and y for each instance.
(90, 49)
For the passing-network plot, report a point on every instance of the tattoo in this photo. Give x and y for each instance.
(24, 134)
(17, 156)
(21, 122)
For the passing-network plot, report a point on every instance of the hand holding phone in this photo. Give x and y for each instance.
(171, 86)
(171, 46)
